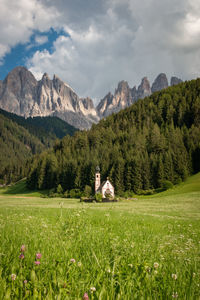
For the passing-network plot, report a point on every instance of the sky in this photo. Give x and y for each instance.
(93, 44)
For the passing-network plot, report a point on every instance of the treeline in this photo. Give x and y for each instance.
(22, 138)
(46, 129)
(154, 140)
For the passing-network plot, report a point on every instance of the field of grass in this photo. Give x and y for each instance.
(148, 248)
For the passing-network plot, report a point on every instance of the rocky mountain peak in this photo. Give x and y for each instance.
(160, 83)
(122, 87)
(144, 89)
(175, 80)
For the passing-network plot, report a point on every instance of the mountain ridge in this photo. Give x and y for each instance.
(22, 94)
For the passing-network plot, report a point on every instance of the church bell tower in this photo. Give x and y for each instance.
(97, 179)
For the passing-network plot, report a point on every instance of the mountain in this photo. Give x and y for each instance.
(124, 96)
(21, 138)
(140, 148)
(22, 94)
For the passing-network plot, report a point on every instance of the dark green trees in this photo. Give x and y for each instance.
(155, 140)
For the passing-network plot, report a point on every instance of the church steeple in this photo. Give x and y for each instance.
(97, 179)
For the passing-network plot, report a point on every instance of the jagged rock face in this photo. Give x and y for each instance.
(22, 94)
(144, 89)
(175, 80)
(18, 91)
(112, 104)
(160, 83)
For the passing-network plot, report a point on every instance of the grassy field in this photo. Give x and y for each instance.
(148, 248)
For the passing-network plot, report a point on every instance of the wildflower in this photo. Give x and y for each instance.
(85, 296)
(108, 270)
(21, 256)
(155, 272)
(37, 262)
(175, 295)
(13, 276)
(72, 260)
(174, 276)
(22, 248)
(79, 264)
(25, 281)
(92, 289)
(156, 265)
(38, 255)
(148, 269)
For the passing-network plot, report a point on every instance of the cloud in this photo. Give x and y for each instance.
(19, 19)
(109, 40)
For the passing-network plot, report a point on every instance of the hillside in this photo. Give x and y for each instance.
(21, 138)
(156, 139)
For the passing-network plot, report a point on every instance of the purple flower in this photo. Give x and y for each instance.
(25, 281)
(38, 255)
(72, 260)
(23, 248)
(37, 262)
(21, 256)
(85, 296)
(13, 276)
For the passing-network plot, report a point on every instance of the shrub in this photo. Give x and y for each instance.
(87, 191)
(98, 197)
(166, 185)
(59, 189)
(75, 193)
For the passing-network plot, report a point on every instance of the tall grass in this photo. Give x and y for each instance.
(145, 249)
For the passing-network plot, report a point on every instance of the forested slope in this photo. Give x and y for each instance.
(21, 138)
(156, 139)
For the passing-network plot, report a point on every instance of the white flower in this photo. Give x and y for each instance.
(13, 276)
(79, 264)
(156, 265)
(92, 289)
(175, 295)
(174, 276)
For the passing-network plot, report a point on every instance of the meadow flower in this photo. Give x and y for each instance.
(108, 270)
(85, 296)
(37, 262)
(156, 265)
(174, 276)
(148, 269)
(21, 256)
(25, 281)
(22, 248)
(38, 255)
(13, 276)
(175, 295)
(72, 260)
(79, 264)
(92, 289)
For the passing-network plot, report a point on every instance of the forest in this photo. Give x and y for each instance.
(157, 139)
(22, 138)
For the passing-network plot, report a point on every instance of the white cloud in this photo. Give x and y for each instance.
(41, 39)
(19, 19)
(110, 40)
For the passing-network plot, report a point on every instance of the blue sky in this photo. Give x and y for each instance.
(21, 53)
(93, 44)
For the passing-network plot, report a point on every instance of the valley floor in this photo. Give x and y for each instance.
(143, 249)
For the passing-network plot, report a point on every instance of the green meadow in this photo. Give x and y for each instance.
(146, 248)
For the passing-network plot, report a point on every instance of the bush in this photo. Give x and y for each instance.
(166, 185)
(75, 193)
(87, 191)
(98, 197)
(59, 189)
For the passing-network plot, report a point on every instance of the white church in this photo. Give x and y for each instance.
(105, 188)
